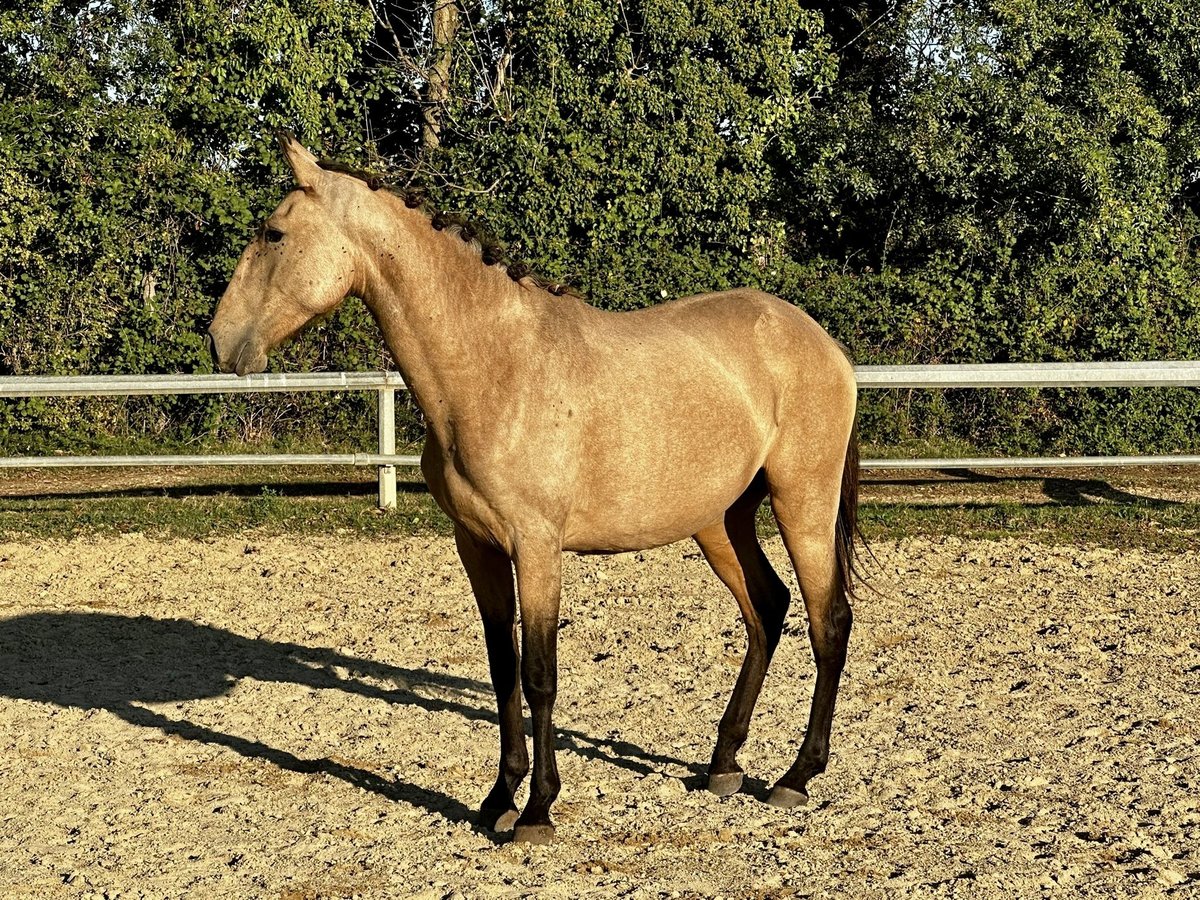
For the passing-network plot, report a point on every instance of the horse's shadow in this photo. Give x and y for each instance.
(118, 663)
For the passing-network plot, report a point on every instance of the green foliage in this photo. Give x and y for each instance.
(1016, 185)
(632, 154)
(137, 151)
(998, 180)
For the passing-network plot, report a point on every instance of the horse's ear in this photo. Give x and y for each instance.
(304, 165)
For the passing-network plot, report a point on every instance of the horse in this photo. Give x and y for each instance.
(555, 426)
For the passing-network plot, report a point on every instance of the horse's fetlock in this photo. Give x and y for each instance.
(516, 767)
(733, 732)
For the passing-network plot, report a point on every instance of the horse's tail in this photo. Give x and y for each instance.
(847, 520)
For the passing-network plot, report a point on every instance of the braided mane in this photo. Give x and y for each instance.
(491, 251)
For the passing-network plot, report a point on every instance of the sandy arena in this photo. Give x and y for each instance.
(311, 718)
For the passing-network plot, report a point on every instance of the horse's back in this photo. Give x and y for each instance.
(764, 353)
(745, 326)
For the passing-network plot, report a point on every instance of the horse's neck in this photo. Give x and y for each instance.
(452, 324)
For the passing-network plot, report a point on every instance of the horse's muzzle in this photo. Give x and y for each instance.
(244, 357)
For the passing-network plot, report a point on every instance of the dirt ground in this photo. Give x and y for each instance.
(272, 717)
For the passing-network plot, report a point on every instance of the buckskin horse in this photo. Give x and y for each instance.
(553, 425)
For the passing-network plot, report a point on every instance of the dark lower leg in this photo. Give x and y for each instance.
(539, 584)
(735, 555)
(539, 675)
(829, 638)
(490, 574)
(499, 810)
(762, 637)
(735, 723)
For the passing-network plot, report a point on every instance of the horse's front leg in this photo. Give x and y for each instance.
(539, 585)
(490, 572)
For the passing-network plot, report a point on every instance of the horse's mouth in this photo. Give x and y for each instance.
(249, 360)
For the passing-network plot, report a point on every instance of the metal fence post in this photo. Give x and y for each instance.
(387, 445)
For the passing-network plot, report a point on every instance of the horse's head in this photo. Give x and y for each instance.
(300, 266)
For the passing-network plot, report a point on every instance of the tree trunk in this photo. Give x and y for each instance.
(445, 27)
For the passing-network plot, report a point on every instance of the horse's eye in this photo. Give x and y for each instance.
(273, 235)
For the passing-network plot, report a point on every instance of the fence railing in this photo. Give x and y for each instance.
(385, 384)
(1175, 373)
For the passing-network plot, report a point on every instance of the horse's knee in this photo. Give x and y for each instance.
(539, 682)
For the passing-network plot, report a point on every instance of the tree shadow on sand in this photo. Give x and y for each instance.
(116, 663)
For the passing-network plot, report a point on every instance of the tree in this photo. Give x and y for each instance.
(629, 151)
(934, 180)
(135, 138)
(1018, 192)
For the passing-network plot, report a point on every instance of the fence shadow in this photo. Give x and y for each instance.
(295, 489)
(117, 663)
(1093, 491)
(1062, 489)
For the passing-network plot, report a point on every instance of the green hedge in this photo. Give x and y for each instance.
(1001, 181)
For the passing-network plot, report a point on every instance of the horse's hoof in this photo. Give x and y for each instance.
(498, 819)
(786, 797)
(533, 834)
(725, 783)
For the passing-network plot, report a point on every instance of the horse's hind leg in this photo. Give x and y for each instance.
(732, 549)
(491, 575)
(807, 523)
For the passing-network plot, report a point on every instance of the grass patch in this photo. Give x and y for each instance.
(199, 503)
(1116, 525)
(205, 516)
(1151, 525)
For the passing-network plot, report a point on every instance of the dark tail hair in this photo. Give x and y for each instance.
(847, 520)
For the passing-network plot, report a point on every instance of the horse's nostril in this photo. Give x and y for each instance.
(212, 351)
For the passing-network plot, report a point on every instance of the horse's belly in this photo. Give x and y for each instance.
(643, 533)
(617, 512)
(656, 466)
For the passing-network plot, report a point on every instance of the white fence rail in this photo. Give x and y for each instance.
(1181, 373)
(385, 384)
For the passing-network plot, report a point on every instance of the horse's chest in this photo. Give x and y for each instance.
(457, 492)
